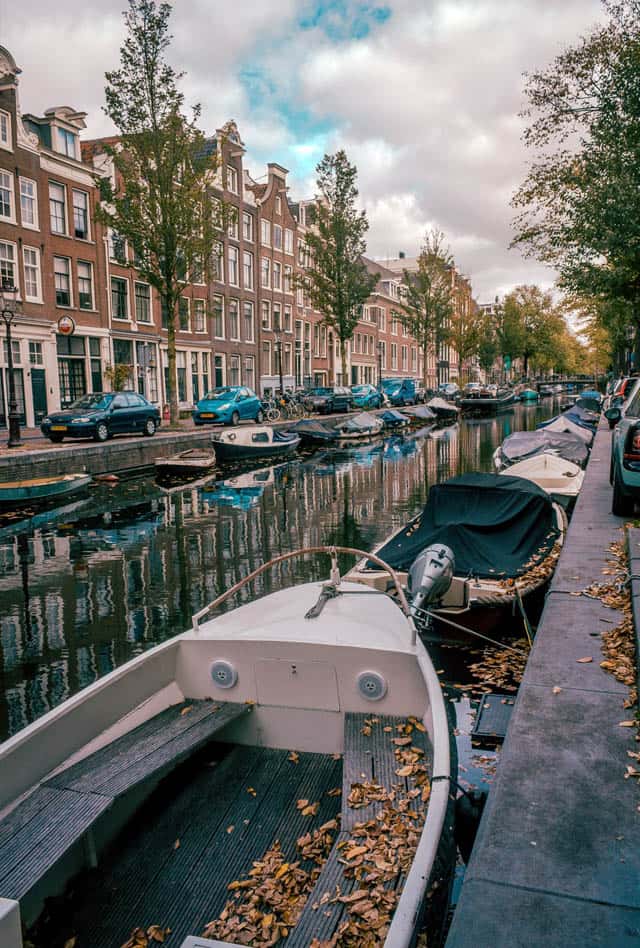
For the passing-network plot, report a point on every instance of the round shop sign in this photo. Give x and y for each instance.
(66, 326)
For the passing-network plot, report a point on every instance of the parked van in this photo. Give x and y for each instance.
(399, 391)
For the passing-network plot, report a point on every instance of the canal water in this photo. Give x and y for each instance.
(85, 588)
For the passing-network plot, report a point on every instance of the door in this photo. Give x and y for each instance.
(39, 394)
(120, 415)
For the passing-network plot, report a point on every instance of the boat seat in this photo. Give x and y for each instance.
(61, 810)
(368, 756)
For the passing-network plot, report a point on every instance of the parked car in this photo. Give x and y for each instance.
(421, 392)
(471, 387)
(328, 399)
(102, 415)
(399, 391)
(448, 390)
(228, 404)
(624, 469)
(366, 396)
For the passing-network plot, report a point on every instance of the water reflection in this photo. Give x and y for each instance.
(81, 594)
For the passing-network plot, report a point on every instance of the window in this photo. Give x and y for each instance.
(5, 131)
(316, 341)
(67, 142)
(247, 316)
(194, 376)
(117, 247)
(383, 355)
(119, 301)
(218, 263)
(394, 326)
(249, 374)
(233, 266)
(15, 351)
(277, 274)
(8, 275)
(6, 196)
(142, 294)
(234, 321)
(414, 359)
(277, 322)
(61, 272)
(405, 358)
(247, 265)
(265, 233)
(57, 208)
(266, 315)
(28, 202)
(234, 370)
(287, 318)
(81, 215)
(278, 204)
(218, 317)
(32, 279)
(265, 272)
(288, 276)
(232, 229)
(288, 241)
(205, 371)
(277, 237)
(266, 358)
(199, 310)
(382, 319)
(232, 179)
(247, 226)
(35, 353)
(197, 271)
(183, 313)
(394, 355)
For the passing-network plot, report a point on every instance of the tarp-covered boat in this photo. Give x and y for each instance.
(562, 423)
(527, 444)
(360, 426)
(312, 431)
(443, 410)
(419, 414)
(560, 478)
(505, 534)
(589, 403)
(393, 419)
(254, 441)
(583, 417)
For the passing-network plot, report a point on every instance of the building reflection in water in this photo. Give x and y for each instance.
(129, 569)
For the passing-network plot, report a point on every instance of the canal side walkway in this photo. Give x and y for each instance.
(557, 858)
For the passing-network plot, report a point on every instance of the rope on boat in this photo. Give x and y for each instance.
(463, 628)
(527, 625)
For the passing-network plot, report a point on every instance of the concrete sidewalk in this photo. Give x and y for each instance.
(557, 858)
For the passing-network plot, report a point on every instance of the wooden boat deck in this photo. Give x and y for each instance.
(205, 826)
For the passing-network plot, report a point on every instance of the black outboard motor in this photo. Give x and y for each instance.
(429, 578)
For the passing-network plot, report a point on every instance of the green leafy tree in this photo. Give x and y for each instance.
(427, 306)
(161, 203)
(528, 327)
(466, 330)
(336, 279)
(488, 347)
(579, 207)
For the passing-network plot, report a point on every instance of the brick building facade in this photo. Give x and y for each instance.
(244, 322)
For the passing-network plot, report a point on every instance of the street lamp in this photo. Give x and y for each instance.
(9, 302)
(379, 348)
(278, 345)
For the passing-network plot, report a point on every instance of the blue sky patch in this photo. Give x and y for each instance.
(344, 20)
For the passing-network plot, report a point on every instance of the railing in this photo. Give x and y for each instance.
(331, 551)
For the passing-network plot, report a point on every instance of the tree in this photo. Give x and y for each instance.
(488, 347)
(336, 279)
(579, 207)
(529, 327)
(161, 204)
(466, 330)
(427, 306)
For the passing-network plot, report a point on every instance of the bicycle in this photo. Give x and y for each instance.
(270, 410)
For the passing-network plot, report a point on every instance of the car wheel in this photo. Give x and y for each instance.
(102, 432)
(57, 439)
(235, 418)
(260, 417)
(149, 427)
(621, 504)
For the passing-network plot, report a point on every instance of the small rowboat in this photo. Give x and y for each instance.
(254, 441)
(40, 490)
(194, 462)
(560, 478)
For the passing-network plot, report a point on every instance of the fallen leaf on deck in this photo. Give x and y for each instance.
(231, 828)
(176, 845)
(187, 709)
(70, 942)
(294, 757)
(157, 933)
(627, 724)
(556, 690)
(585, 660)
(251, 791)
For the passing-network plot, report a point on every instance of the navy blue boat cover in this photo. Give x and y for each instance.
(526, 444)
(497, 526)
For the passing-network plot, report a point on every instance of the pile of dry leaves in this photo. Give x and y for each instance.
(501, 668)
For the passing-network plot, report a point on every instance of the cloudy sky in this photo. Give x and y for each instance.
(423, 95)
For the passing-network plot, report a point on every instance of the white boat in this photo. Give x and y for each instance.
(187, 463)
(561, 479)
(296, 746)
(246, 442)
(360, 427)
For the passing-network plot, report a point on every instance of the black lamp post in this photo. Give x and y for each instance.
(9, 298)
(278, 344)
(379, 349)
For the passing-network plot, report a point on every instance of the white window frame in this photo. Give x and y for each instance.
(199, 305)
(266, 359)
(120, 319)
(11, 218)
(277, 237)
(144, 322)
(70, 303)
(265, 233)
(232, 179)
(277, 270)
(278, 204)
(14, 261)
(265, 283)
(85, 194)
(233, 225)
(235, 333)
(247, 304)
(86, 263)
(31, 298)
(265, 314)
(180, 327)
(247, 257)
(65, 224)
(247, 226)
(8, 143)
(63, 139)
(34, 198)
(287, 279)
(288, 241)
(218, 297)
(233, 255)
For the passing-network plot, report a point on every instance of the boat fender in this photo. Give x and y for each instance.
(224, 674)
(372, 685)
(468, 813)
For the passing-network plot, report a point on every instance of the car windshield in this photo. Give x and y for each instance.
(321, 391)
(92, 402)
(359, 389)
(390, 384)
(218, 394)
(633, 406)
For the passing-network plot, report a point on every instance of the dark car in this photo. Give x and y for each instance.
(102, 415)
(326, 400)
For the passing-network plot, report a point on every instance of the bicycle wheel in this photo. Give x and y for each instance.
(273, 414)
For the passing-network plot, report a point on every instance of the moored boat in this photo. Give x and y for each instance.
(505, 534)
(394, 419)
(293, 746)
(528, 395)
(443, 410)
(563, 423)
(526, 444)
(359, 427)
(41, 490)
(312, 431)
(419, 414)
(254, 441)
(560, 478)
(191, 463)
(482, 402)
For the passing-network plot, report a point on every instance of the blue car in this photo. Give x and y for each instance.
(101, 415)
(228, 405)
(366, 396)
(400, 392)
